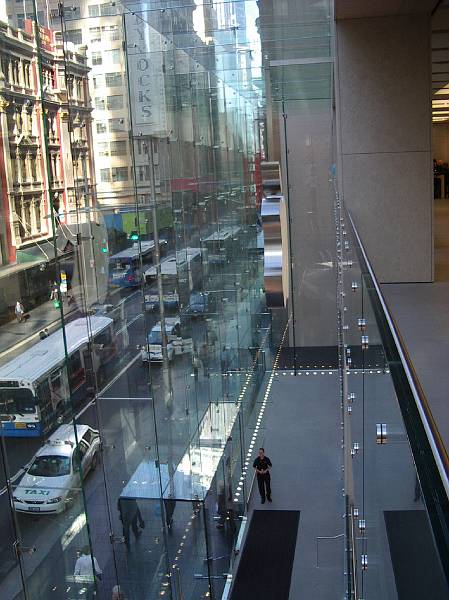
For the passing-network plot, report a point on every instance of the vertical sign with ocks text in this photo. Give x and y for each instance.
(146, 77)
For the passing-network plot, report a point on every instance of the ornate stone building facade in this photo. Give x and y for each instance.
(46, 162)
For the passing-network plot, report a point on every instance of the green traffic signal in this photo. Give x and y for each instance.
(134, 236)
(56, 304)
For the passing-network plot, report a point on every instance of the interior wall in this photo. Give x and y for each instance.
(384, 140)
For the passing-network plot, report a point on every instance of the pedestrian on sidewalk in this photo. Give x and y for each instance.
(83, 565)
(20, 312)
(169, 505)
(131, 518)
(84, 573)
(262, 465)
(54, 291)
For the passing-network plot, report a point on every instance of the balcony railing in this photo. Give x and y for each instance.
(395, 462)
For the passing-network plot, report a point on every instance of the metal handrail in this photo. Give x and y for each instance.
(353, 558)
(433, 435)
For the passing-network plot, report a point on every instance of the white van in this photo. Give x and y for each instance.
(153, 350)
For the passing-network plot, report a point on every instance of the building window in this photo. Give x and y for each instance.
(5, 68)
(116, 125)
(110, 33)
(97, 59)
(94, 10)
(118, 148)
(79, 89)
(15, 71)
(112, 56)
(99, 103)
(33, 163)
(14, 173)
(99, 81)
(113, 79)
(26, 74)
(105, 175)
(143, 173)
(23, 168)
(114, 102)
(37, 214)
(103, 149)
(120, 174)
(101, 127)
(75, 36)
(108, 9)
(140, 174)
(95, 34)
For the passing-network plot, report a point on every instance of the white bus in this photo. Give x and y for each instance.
(180, 272)
(35, 387)
(124, 267)
(218, 246)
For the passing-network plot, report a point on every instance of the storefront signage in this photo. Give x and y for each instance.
(146, 77)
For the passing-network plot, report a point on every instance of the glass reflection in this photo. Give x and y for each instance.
(129, 298)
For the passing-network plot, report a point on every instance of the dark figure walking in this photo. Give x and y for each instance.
(262, 464)
(169, 505)
(130, 517)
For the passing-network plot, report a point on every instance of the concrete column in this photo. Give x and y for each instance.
(306, 158)
(383, 99)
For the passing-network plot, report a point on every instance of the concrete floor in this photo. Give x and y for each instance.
(421, 311)
(307, 476)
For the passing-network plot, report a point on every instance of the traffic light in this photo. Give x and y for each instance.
(134, 236)
(56, 303)
(104, 247)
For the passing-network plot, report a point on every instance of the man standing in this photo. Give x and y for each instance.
(129, 516)
(20, 311)
(262, 464)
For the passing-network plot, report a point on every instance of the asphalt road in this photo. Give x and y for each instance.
(126, 411)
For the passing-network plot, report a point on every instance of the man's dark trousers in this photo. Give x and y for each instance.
(263, 481)
(133, 525)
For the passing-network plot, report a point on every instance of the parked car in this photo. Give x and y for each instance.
(54, 474)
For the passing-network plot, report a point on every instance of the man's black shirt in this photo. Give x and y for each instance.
(262, 464)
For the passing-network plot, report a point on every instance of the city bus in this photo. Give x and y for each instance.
(180, 273)
(218, 246)
(35, 386)
(124, 267)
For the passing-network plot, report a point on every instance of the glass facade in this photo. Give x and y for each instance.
(133, 324)
(171, 243)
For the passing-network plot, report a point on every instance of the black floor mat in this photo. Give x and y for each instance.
(415, 561)
(265, 567)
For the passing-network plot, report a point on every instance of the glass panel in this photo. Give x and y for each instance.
(385, 446)
(130, 297)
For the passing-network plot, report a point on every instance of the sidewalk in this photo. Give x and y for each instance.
(13, 335)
